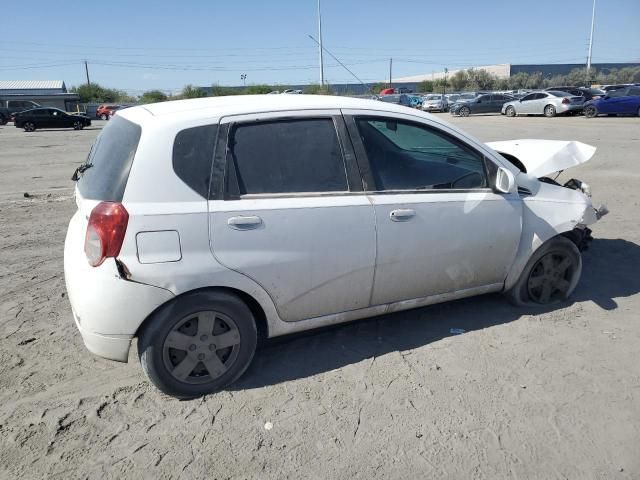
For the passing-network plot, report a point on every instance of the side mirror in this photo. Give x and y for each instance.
(505, 180)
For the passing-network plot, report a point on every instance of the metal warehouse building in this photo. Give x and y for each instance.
(49, 93)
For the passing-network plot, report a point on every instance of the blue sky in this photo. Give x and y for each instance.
(140, 45)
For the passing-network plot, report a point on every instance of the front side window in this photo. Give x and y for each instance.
(286, 156)
(531, 96)
(408, 156)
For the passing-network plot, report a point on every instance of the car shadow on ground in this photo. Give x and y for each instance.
(610, 271)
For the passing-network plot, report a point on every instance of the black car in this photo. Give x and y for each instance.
(587, 93)
(487, 103)
(49, 118)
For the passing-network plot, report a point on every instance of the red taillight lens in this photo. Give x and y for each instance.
(105, 232)
(566, 100)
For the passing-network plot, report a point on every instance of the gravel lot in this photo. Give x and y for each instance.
(522, 394)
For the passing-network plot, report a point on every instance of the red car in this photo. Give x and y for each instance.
(105, 111)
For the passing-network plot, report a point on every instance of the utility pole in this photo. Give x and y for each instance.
(243, 77)
(320, 46)
(390, 72)
(444, 91)
(86, 70)
(593, 18)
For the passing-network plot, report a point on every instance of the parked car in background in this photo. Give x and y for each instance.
(117, 109)
(10, 107)
(435, 103)
(397, 98)
(544, 103)
(624, 101)
(388, 91)
(609, 88)
(103, 112)
(292, 91)
(416, 101)
(487, 103)
(452, 98)
(587, 93)
(36, 118)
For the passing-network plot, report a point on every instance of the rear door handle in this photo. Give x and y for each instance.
(402, 214)
(244, 222)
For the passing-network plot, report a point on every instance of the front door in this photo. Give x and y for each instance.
(294, 217)
(441, 228)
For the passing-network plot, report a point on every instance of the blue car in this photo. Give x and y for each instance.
(625, 101)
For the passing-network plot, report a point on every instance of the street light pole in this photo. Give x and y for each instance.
(444, 89)
(243, 77)
(320, 46)
(593, 19)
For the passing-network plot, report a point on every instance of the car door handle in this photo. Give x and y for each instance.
(402, 214)
(244, 222)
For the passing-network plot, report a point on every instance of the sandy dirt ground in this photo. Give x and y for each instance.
(551, 394)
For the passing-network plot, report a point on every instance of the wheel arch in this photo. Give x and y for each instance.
(262, 325)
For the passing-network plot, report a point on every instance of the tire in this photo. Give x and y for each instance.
(549, 111)
(546, 280)
(78, 125)
(464, 111)
(590, 111)
(179, 366)
(104, 117)
(29, 126)
(639, 112)
(510, 111)
(3, 120)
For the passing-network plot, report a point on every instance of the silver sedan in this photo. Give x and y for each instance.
(549, 104)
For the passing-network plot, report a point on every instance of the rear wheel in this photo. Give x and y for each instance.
(590, 111)
(464, 111)
(3, 120)
(550, 276)
(510, 111)
(104, 117)
(549, 111)
(29, 126)
(198, 344)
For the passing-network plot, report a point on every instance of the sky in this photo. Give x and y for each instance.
(141, 45)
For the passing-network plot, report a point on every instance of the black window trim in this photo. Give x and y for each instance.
(224, 183)
(365, 166)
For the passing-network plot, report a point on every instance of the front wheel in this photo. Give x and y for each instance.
(78, 125)
(104, 117)
(590, 111)
(464, 111)
(198, 344)
(29, 126)
(510, 112)
(550, 276)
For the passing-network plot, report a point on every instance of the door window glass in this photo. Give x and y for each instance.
(408, 156)
(287, 156)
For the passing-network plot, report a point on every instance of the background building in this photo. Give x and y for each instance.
(48, 93)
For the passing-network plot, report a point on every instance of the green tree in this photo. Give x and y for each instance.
(459, 80)
(96, 93)
(316, 89)
(218, 91)
(480, 79)
(426, 86)
(258, 89)
(191, 91)
(519, 80)
(153, 96)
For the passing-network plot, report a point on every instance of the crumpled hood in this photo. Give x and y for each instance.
(545, 157)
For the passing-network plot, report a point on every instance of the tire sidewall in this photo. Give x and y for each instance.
(551, 109)
(510, 111)
(519, 293)
(152, 336)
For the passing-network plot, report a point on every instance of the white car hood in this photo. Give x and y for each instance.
(544, 157)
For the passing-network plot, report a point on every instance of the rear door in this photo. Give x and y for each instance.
(291, 214)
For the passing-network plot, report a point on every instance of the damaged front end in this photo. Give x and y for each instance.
(539, 160)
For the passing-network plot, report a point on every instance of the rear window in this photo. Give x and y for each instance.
(111, 156)
(193, 155)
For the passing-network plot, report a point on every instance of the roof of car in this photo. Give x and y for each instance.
(241, 104)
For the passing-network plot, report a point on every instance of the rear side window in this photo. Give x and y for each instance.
(287, 156)
(193, 155)
(111, 157)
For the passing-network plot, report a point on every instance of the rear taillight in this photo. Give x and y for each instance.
(105, 232)
(565, 100)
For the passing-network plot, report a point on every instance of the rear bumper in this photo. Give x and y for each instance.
(107, 309)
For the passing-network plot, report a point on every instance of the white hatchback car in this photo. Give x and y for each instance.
(204, 224)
